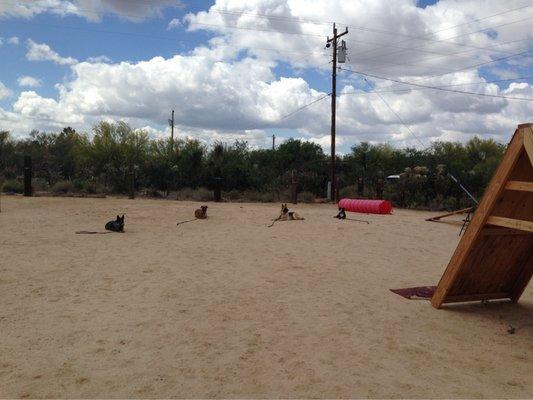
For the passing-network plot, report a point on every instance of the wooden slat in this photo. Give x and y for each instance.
(519, 186)
(477, 297)
(524, 277)
(511, 223)
(490, 197)
(528, 141)
(502, 232)
(462, 211)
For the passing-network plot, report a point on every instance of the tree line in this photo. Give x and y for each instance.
(106, 161)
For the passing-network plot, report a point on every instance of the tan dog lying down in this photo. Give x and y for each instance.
(286, 215)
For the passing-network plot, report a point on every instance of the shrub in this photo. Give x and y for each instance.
(349, 192)
(13, 186)
(63, 187)
(184, 194)
(306, 197)
(268, 197)
(39, 184)
(202, 194)
(94, 188)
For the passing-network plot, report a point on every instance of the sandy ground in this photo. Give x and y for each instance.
(227, 307)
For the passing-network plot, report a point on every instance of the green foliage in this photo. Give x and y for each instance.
(13, 186)
(63, 187)
(105, 161)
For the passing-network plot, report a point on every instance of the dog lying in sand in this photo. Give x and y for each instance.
(116, 225)
(287, 215)
(201, 213)
(341, 214)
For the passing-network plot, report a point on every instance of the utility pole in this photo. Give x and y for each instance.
(273, 142)
(333, 41)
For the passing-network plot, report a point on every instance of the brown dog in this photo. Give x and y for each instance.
(201, 213)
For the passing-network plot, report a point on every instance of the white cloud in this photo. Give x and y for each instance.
(92, 10)
(174, 23)
(228, 88)
(29, 81)
(13, 40)
(43, 52)
(99, 59)
(4, 91)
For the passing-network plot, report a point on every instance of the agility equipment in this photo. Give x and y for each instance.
(439, 217)
(494, 259)
(366, 206)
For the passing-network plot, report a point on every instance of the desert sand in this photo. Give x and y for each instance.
(226, 307)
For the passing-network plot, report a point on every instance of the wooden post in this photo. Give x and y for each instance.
(294, 186)
(131, 184)
(217, 192)
(27, 176)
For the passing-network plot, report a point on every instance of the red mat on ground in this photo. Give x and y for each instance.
(424, 292)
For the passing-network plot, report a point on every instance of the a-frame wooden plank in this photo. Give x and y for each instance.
(470, 240)
(528, 140)
(511, 223)
(519, 186)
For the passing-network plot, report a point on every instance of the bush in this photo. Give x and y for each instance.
(184, 194)
(39, 184)
(349, 192)
(62, 187)
(202, 194)
(13, 186)
(306, 197)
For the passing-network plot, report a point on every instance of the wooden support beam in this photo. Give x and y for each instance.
(477, 297)
(462, 211)
(484, 209)
(502, 232)
(519, 186)
(519, 224)
(528, 140)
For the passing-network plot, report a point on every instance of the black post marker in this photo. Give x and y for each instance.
(27, 176)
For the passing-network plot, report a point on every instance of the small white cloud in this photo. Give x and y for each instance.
(4, 91)
(13, 40)
(175, 23)
(43, 52)
(98, 60)
(28, 81)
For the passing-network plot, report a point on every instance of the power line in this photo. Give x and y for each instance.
(422, 143)
(446, 55)
(468, 67)
(441, 86)
(303, 107)
(454, 26)
(447, 41)
(294, 19)
(438, 88)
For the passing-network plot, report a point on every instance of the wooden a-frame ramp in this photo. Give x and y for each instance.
(494, 259)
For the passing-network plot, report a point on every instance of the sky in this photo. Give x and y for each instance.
(248, 69)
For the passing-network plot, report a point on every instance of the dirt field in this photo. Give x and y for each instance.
(227, 307)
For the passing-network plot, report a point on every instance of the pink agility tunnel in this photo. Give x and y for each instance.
(366, 206)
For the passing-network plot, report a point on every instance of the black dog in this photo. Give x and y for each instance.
(116, 225)
(341, 214)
